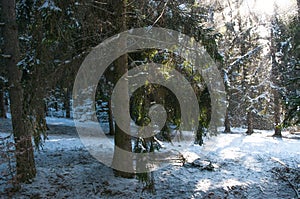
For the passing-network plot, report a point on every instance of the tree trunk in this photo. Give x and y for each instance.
(110, 119)
(67, 103)
(275, 80)
(277, 113)
(298, 5)
(227, 89)
(250, 122)
(245, 80)
(2, 104)
(25, 164)
(122, 139)
(199, 135)
(227, 122)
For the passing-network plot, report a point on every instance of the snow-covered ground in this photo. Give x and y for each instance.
(241, 167)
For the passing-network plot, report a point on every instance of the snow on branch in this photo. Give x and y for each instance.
(5, 56)
(102, 3)
(3, 79)
(247, 56)
(49, 4)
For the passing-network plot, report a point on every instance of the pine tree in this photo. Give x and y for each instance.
(25, 164)
(122, 138)
(292, 74)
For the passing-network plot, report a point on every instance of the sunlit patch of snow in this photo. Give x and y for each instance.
(228, 183)
(60, 121)
(231, 153)
(62, 139)
(61, 143)
(203, 185)
(190, 156)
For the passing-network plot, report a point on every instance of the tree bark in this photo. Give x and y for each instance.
(2, 104)
(110, 119)
(250, 122)
(298, 5)
(277, 114)
(227, 122)
(122, 138)
(67, 103)
(25, 164)
(275, 80)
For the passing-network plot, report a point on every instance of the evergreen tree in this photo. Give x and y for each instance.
(22, 135)
(292, 74)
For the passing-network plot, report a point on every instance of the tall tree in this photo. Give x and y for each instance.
(278, 53)
(25, 164)
(292, 84)
(122, 138)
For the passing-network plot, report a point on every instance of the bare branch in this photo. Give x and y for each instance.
(131, 3)
(5, 56)
(161, 14)
(102, 3)
(243, 58)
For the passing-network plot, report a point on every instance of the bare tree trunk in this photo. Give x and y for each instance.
(250, 122)
(227, 89)
(122, 139)
(277, 114)
(25, 164)
(110, 119)
(227, 122)
(67, 103)
(2, 104)
(275, 77)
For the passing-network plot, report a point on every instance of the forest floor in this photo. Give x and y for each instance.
(256, 166)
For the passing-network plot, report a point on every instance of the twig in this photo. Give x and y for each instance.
(279, 161)
(161, 14)
(261, 189)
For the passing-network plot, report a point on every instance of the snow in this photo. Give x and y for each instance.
(60, 121)
(49, 4)
(3, 79)
(242, 168)
(183, 7)
(242, 58)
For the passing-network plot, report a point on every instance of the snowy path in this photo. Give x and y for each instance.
(243, 169)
